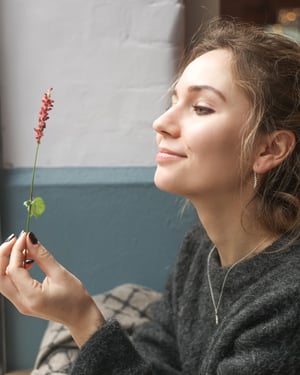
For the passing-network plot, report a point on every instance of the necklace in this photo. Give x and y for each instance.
(217, 304)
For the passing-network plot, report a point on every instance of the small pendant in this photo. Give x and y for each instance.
(217, 319)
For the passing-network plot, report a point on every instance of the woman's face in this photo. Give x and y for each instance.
(199, 136)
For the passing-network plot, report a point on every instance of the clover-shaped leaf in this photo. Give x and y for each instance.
(36, 207)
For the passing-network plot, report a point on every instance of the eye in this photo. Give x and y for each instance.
(201, 110)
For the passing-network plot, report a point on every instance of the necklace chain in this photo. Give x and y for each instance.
(216, 305)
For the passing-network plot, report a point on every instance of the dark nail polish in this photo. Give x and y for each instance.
(33, 238)
(29, 261)
(9, 238)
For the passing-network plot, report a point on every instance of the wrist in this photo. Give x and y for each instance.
(90, 321)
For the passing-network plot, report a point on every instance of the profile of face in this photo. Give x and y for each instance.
(199, 136)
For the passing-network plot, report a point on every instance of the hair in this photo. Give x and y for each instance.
(266, 66)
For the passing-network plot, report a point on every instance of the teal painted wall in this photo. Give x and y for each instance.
(106, 225)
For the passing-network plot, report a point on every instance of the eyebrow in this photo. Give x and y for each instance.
(198, 88)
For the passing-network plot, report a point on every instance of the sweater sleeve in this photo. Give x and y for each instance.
(109, 351)
(151, 350)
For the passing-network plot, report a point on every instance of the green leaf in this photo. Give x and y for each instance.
(37, 207)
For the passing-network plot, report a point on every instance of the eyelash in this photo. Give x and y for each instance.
(202, 111)
(198, 109)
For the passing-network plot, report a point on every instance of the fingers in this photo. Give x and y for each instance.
(17, 252)
(35, 251)
(5, 250)
(15, 269)
(60, 291)
(42, 257)
(29, 295)
(7, 287)
(28, 264)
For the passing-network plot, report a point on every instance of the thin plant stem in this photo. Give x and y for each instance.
(31, 187)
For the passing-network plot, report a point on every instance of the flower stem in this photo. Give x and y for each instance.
(31, 188)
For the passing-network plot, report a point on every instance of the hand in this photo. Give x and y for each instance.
(61, 297)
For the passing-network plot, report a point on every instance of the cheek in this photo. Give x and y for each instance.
(214, 145)
(211, 138)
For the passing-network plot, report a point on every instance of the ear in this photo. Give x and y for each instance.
(273, 149)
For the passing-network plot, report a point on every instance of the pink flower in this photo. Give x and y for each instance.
(44, 115)
(36, 206)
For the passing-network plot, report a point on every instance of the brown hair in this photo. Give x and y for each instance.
(266, 66)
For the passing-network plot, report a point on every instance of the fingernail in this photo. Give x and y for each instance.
(33, 238)
(29, 261)
(9, 238)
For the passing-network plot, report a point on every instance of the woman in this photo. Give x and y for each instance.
(229, 143)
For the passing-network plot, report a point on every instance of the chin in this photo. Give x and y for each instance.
(167, 183)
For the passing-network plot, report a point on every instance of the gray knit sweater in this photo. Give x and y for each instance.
(258, 331)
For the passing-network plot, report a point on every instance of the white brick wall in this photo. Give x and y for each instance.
(110, 63)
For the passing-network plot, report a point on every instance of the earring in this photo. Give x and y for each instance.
(254, 180)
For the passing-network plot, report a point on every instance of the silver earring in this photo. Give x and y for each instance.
(254, 180)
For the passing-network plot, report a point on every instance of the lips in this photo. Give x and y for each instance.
(165, 154)
(170, 152)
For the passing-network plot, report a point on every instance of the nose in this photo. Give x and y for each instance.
(167, 123)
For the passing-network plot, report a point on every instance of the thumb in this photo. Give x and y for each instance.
(42, 256)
